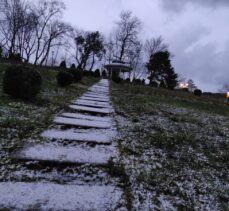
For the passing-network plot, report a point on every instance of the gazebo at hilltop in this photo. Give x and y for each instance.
(117, 67)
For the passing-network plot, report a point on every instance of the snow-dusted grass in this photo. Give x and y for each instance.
(174, 147)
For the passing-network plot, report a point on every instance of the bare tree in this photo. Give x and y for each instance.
(126, 33)
(154, 45)
(191, 85)
(48, 12)
(109, 49)
(13, 19)
(55, 33)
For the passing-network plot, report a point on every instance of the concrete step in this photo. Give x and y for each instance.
(90, 136)
(49, 196)
(56, 153)
(82, 123)
(91, 109)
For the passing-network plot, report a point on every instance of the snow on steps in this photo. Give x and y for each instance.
(82, 123)
(86, 117)
(91, 102)
(91, 109)
(90, 136)
(94, 99)
(49, 196)
(54, 153)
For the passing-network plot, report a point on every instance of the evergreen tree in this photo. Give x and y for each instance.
(161, 71)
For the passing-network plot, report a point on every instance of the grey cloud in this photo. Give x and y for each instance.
(178, 5)
(205, 65)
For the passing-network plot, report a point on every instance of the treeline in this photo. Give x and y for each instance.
(34, 32)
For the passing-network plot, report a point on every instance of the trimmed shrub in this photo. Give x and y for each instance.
(154, 84)
(15, 58)
(64, 78)
(197, 92)
(73, 66)
(77, 74)
(97, 73)
(63, 65)
(22, 82)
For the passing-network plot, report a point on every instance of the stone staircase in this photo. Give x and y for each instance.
(68, 170)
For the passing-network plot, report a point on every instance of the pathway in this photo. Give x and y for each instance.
(67, 171)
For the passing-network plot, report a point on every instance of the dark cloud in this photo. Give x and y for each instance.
(178, 5)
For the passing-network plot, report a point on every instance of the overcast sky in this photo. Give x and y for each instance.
(197, 31)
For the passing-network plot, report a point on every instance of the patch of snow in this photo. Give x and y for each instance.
(90, 109)
(65, 154)
(82, 122)
(87, 117)
(87, 136)
(48, 196)
(94, 99)
(91, 105)
(91, 102)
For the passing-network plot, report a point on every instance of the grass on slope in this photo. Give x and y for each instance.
(22, 122)
(174, 147)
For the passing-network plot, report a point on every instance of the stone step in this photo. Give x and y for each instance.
(97, 92)
(55, 197)
(92, 102)
(94, 99)
(93, 136)
(86, 117)
(82, 123)
(104, 97)
(90, 109)
(96, 96)
(55, 153)
(94, 105)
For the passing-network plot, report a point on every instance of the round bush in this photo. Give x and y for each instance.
(73, 66)
(64, 78)
(22, 82)
(63, 65)
(77, 74)
(97, 73)
(197, 92)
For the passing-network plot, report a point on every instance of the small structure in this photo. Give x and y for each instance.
(117, 67)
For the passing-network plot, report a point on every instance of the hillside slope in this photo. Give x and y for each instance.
(22, 122)
(174, 147)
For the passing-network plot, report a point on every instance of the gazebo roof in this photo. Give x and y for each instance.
(119, 65)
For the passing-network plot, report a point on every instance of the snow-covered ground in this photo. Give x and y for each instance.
(74, 152)
(176, 157)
